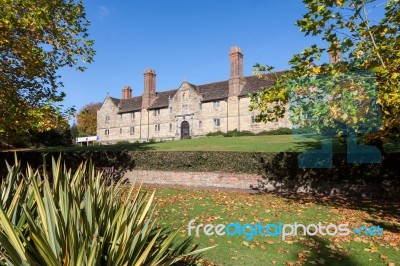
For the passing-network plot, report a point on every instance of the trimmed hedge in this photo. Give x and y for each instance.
(236, 133)
(233, 162)
(280, 169)
(212, 161)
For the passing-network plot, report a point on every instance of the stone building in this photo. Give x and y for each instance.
(188, 111)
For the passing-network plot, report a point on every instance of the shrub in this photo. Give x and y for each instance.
(122, 142)
(75, 219)
(303, 130)
(217, 133)
(236, 133)
(152, 140)
(279, 131)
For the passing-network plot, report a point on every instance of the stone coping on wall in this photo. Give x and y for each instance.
(194, 179)
(237, 181)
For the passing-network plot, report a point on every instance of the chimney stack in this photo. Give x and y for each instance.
(335, 58)
(126, 92)
(236, 80)
(335, 54)
(149, 94)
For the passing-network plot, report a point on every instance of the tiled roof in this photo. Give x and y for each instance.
(162, 99)
(253, 84)
(214, 91)
(115, 101)
(210, 92)
(130, 105)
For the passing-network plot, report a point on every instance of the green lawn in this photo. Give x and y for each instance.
(266, 143)
(176, 207)
(272, 143)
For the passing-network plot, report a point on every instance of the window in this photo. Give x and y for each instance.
(200, 106)
(252, 119)
(132, 115)
(217, 122)
(216, 104)
(120, 130)
(156, 112)
(157, 127)
(108, 118)
(185, 108)
(170, 127)
(132, 130)
(120, 116)
(170, 110)
(200, 124)
(107, 132)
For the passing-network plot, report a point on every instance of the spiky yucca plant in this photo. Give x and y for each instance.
(74, 218)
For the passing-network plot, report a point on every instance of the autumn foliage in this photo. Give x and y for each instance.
(37, 38)
(87, 119)
(365, 36)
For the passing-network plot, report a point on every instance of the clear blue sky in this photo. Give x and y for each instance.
(181, 39)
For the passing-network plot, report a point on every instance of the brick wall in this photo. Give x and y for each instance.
(199, 179)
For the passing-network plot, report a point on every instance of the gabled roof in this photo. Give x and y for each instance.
(162, 99)
(130, 105)
(115, 101)
(209, 92)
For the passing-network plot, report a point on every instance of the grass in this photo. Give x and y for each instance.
(176, 207)
(266, 143)
(272, 143)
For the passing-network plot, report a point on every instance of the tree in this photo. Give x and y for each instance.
(368, 49)
(87, 119)
(74, 132)
(37, 38)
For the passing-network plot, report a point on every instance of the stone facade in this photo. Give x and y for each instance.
(189, 111)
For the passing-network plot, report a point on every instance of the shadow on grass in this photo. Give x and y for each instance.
(385, 213)
(319, 251)
(374, 188)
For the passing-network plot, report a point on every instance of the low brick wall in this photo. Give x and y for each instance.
(195, 179)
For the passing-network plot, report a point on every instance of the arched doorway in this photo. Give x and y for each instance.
(185, 132)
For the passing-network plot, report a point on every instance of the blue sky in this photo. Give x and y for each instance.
(181, 39)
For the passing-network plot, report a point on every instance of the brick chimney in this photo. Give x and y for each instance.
(149, 94)
(126, 92)
(335, 58)
(335, 54)
(236, 80)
